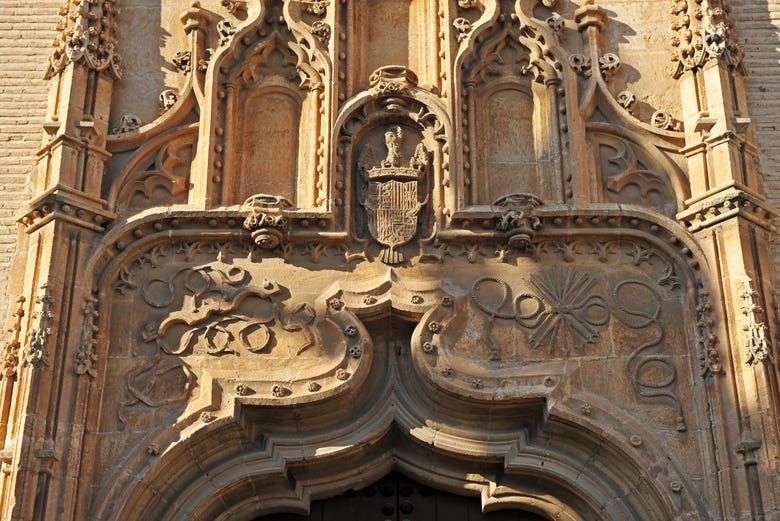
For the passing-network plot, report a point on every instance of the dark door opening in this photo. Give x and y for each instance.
(397, 498)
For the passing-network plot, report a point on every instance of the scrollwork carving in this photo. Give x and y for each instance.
(11, 351)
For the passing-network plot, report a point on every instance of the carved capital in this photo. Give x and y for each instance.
(68, 205)
(721, 205)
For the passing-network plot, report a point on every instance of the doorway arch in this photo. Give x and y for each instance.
(398, 498)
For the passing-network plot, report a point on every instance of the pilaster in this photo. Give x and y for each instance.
(42, 388)
(728, 214)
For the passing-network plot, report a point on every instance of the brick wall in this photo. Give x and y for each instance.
(757, 28)
(26, 33)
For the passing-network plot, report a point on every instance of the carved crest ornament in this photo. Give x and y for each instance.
(393, 200)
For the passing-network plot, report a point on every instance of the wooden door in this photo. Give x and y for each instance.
(397, 498)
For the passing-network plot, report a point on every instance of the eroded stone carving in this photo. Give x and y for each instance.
(321, 30)
(757, 342)
(183, 61)
(267, 222)
(86, 33)
(580, 64)
(392, 201)
(234, 6)
(36, 351)
(226, 30)
(11, 350)
(168, 99)
(706, 339)
(128, 123)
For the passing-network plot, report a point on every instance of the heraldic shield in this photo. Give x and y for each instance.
(392, 200)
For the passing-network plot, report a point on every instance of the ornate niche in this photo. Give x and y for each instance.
(507, 76)
(394, 141)
(266, 128)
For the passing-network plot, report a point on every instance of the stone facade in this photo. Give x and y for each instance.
(512, 250)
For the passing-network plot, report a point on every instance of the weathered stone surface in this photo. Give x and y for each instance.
(276, 250)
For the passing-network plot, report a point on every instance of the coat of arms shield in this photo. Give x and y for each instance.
(392, 200)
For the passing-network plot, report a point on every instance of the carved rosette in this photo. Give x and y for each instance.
(86, 33)
(267, 221)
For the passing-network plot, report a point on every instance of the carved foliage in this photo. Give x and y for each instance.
(702, 32)
(86, 33)
(11, 351)
(36, 351)
(756, 331)
(86, 355)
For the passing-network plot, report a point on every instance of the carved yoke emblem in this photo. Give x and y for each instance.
(392, 200)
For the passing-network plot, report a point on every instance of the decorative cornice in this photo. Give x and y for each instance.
(63, 203)
(86, 33)
(724, 204)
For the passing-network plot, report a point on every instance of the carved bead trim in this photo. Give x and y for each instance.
(727, 204)
(67, 206)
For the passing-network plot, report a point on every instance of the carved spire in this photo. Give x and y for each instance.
(86, 33)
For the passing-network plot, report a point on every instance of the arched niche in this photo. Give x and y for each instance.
(266, 117)
(506, 152)
(508, 101)
(270, 130)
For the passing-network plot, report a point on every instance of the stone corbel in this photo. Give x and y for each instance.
(267, 222)
(518, 222)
